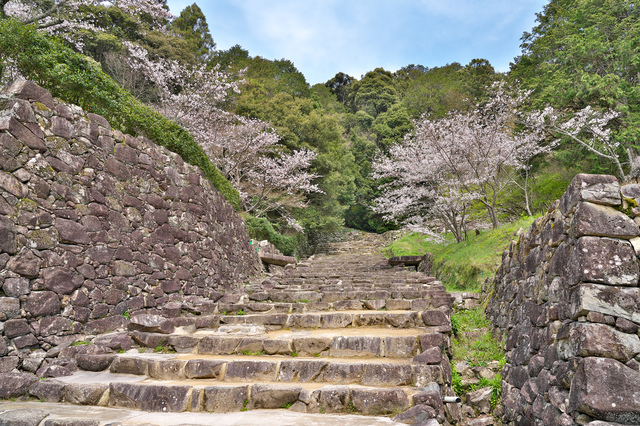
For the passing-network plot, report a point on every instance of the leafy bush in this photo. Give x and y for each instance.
(77, 79)
(261, 229)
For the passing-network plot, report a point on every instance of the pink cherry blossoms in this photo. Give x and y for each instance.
(62, 18)
(444, 165)
(245, 150)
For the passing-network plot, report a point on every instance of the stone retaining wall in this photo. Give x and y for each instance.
(96, 225)
(567, 302)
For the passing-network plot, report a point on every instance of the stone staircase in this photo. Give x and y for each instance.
(339, 333)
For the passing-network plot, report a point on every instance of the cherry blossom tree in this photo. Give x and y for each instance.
(63, 17)
(588, 127)
(245, 150)
(445, 164)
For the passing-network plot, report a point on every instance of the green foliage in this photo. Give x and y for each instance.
(475, 344)
(261, 229)
(80, 343)
(585, 53)
(375, 93)
(463, 266)
(192, 26)
(76, 79)
(455, 324)
(456, 381)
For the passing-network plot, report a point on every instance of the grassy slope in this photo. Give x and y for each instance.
(463, 266)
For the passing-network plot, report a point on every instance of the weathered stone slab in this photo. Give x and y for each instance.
(387, 375)
(72, 232)
(28, 90)
(47, 390)
(418, 414)
(224, 399)
(602, 261)
(15, 384)
(336, 320)
(150, 340)
(432, 355)
(606, 389)
(398, 304)
(43, 303)
(130, 365)
(95, 362)
(373, 319)
(157, 398)
(277, 259)
(105, 325)
(599, 189)
(596, 340)
(406, 260)
(601, 221)
(218, 345)
(7, 236)
(435, 318)
(61, 280)
(203, 369)
(344, 372)
(332, 399)
(424, 374)
(249, 371)
(356, 346)
(84, 393)
(300, 370)
(606, 300)
(151, 324)
(277, 346)
(271, 396)
(304, 321)
(400, 346)
(169, 369)
(402, 320)
(22, 417)
(378, 401)
(309, 346)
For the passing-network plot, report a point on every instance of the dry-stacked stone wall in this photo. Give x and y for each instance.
(566, 300)
(96, 225)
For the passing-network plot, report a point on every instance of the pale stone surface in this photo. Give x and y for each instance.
(607, 390)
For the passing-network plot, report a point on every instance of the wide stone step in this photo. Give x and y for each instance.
(399, 317)
(248, 369)
(76, 415)
(352, 342)
(120, 391)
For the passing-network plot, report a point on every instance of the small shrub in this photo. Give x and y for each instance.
(261, 229)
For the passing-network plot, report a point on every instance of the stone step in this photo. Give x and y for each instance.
(249, 369)
(336, 293)
(139, 393)
(82, 415)
(273, 320)
(352, 342)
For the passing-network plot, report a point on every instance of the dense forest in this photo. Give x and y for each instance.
(449, 148)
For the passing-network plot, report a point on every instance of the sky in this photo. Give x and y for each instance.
(324, 37)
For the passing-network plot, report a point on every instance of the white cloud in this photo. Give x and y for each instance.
(323, 37)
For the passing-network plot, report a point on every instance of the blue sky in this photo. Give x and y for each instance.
(324, 37)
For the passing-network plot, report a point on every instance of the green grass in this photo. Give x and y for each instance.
(479, 349)
(476, 349)
(466, 265)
